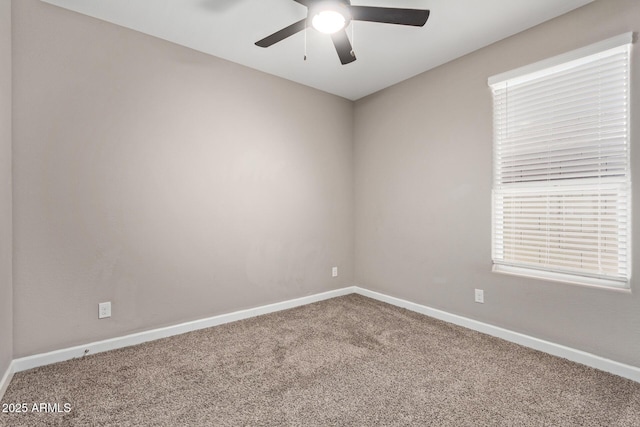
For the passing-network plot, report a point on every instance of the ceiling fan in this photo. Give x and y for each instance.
(332, 17)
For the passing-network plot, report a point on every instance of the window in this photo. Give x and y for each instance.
(561, 181)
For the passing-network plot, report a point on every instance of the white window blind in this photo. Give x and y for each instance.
(561, 189)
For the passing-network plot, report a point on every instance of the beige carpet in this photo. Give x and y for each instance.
(346, 361)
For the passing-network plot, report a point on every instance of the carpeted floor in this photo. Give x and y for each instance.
(345, 361)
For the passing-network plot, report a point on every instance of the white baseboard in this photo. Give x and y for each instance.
(579, 356)
(617, 368)
(6, 379)
(29, 362)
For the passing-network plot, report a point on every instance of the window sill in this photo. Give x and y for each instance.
(611, 285)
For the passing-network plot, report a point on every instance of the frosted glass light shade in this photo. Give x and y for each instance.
(328, 21)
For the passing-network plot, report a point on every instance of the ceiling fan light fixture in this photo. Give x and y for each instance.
(328, 21)
(330, 16)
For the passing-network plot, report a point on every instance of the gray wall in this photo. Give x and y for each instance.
(423, 152)
(171, 183)
(6, 316)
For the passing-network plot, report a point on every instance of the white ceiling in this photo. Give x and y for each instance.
(386, 54)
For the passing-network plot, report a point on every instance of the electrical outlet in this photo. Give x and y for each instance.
(480, 296)
(334, 272)
(104, 310)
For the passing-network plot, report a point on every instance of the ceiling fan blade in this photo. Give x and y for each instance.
(304, 2)
(387, 15)
(343, 47)
(283, 33)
